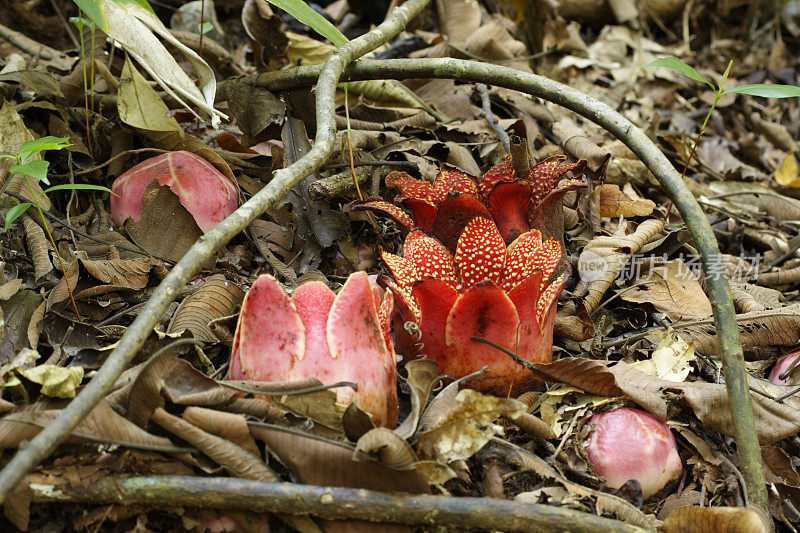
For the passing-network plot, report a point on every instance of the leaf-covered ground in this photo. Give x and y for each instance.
(636, 297)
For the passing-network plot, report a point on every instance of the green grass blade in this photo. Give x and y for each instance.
(302, 12)
(676, 64)
(766, 90)
(78, 186)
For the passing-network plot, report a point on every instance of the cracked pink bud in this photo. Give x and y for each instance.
(316, 333)
(784, 364)
(202, 189)
(633, 444)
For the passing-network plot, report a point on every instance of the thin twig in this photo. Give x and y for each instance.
(486, 105)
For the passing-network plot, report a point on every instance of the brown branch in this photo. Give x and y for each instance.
(330, 503)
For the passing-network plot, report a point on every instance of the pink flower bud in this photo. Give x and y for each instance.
(316, 333)
(202, 189)
(783, 364)
(633, 444)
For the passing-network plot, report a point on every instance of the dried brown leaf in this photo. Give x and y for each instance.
(166, 228)
(176, 380)
(318, 461)
(121, 273)
(715, 520)
(215, 298)
(615, 203)
(423, 375)
(771, 327)
(464, 426)
(229, 426)
(709, 401)
(103, 424)
(235, 459)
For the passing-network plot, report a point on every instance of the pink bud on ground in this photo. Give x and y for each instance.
(784, 364)
(202, 189)
(633, 444)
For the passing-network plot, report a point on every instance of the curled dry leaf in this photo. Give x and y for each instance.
(176, 380)
(229, 426)
(716, 520)
(318, 461)
(215, 298)
(464, 425)
(615, 203)
(52, 380)
(770, 327)
(387, 447)
(235, 459)
(103, 425)
(423, 375)
(671, 288)
(604, 257)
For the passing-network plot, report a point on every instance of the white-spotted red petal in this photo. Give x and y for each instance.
(503, 172)
(405, 222)
(435, 299)
(430, 258)
(481, 252)
(453, 179)
(519, 261)
(547, 257)
(546, 305)
(484, 311)
(411, 188)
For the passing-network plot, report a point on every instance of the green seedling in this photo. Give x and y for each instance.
(37, 170)
(759, 89)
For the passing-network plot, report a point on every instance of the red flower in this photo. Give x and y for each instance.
(484, 290)
(317, 333)
(444, 207)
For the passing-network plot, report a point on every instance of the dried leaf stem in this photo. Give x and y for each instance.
(332, 503)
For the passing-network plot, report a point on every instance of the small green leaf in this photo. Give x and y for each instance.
(95, 13)
(676, 64)
(79, 186)
(81, 22)
(41, 144)
(302, 12)
(205, 27)
(725, 74)
(14, 213)
(767, 90)
(34, 169)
